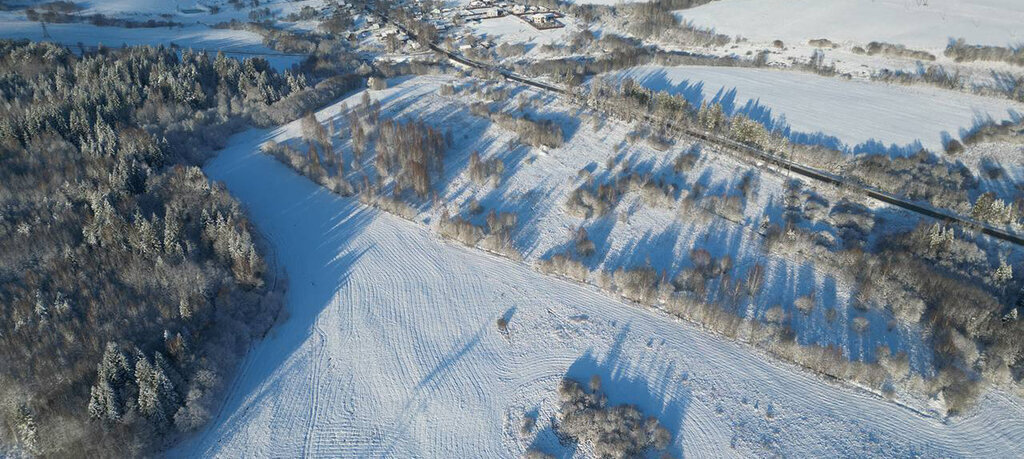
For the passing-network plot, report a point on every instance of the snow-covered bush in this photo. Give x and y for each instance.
(606, 431)
(960, 51)
(563, 265)
(377, 83)
(894, 50)
(637, 284)
(459, 229)
(592, 201)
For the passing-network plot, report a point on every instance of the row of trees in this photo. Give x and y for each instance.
(537, 133)
(961, 51)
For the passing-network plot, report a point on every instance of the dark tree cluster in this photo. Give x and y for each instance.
(129, 284)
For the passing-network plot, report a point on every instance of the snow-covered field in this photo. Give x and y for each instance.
(190, 10)
(929, 24)
(235, 43)
(862, 115)
(391, 350)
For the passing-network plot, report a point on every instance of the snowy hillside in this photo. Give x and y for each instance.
(391, 350)
(779, 228)
(928, 24)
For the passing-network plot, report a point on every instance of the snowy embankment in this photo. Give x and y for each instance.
(860, 115)
(927, 24)
(391, 349)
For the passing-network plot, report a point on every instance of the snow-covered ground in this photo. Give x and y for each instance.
(234, 43)
(190, 10)
(510, 29)
(391, 350)
(537, 183)
(914, 23)
(862, 115)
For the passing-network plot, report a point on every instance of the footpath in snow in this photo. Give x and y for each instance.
(391, 349)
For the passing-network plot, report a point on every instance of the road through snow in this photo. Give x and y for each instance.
(391, 349)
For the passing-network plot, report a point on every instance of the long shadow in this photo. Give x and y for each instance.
(694, 92)
(311, 231)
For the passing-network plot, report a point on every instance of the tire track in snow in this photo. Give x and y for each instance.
(315, 384)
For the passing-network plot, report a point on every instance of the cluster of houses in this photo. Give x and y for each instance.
(444, 19)
(388, 33)
(537, 16)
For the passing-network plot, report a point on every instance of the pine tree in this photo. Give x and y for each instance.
(158, 399)
(106, 396)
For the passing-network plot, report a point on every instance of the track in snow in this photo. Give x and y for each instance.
(416, 367)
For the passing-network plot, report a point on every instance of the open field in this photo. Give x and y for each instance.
(929, 24)
(856, 115)
(391, 349)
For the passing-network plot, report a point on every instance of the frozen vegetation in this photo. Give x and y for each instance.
(537, 228)
(858, 116)
(375, 360)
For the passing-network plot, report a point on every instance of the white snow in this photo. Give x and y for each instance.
(391, 350)
(183, 9)
(234, 43)
(862, 115)
(123, 7)
(929, 24)
(511, 29)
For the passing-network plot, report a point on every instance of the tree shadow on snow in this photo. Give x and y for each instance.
(654, 386)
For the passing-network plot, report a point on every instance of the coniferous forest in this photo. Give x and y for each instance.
(130, 286)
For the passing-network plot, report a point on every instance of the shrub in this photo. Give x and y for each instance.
(891, 50)
(459, 229)
(859, 324)
(565, 266)
(613, 432)
(822, 43)
(686, 160)
(377, 83)
(584, 246)
(589, 201)
(805, 304)
(960, 51)
(954, 147)
(637, 284)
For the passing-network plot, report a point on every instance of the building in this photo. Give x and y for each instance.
(493, 12)
(544, 18)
